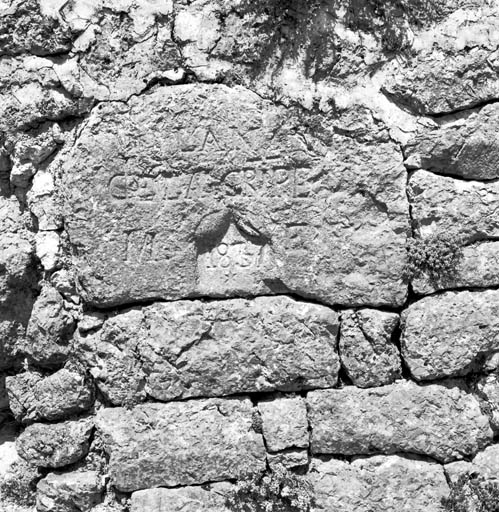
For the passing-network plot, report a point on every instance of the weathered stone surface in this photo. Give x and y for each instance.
(50, 328)
(191, 348)
(291, 458)
(488, 388)
(199, 499)
(55, 445)
(235, 195)
(42, 203)
(21, 389)
(32, 93)
(443, 422)
(468, 149)
(25, 28)
(284, 421)
(76, 491)
(180, 443)
(379, 484)
(367, 352)
(441, 203)
(116, 57)
(465, 209)
(48, 244)
(449, 334)
(8, 452)
(477, 266)
(452, 68)
(17, 279)
(55, 397)
(15, 249)
(486, 463)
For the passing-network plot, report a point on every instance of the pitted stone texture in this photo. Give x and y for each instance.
(466, 209)
(42, 202)
(488, 389)
(291, 458)
(469, 149)
(55, 445)
(443, 422)
(477, 266)
(379, 484)
(33, 397)
(180, 443)
(235, 195)
(196, 499)
(285, 423)
(443, 204)
(8, 452)
(17, 279)
(32, 93)
(15, 250)
(76, 491)
(186, 349)
(446, 73)
(486, 463)
(366, 349)
(21, 389)
(49, 330)
(450, 334)
(121, 50)
(24, 27)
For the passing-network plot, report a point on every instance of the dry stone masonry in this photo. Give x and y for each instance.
(248, 238)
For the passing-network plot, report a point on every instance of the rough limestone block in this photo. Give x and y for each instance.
(55, 445)
(48, 246)
(125, 47)
(186, 349)
(488, 389)
(379, 484)
(454, 68)
(76, 491)
(469, 149)
(196, 499)
(284, 423)
(448, 334)
(15, 248)
(218, 186)
(466, 210)
(42, 202)
(366, 349)
(57, 396)
(443, 204)
(27, 28)
(180, 443)
(477, 266)
(442, 422)
(292, 458)
(21, 390)
(486, 463)
(50, 328)
(17, 279)
(8, 452)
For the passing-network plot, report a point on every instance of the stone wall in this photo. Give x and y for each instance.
(237, 234)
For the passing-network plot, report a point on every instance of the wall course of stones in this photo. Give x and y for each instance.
(207, 213)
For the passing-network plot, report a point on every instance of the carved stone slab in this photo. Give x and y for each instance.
(210, 190)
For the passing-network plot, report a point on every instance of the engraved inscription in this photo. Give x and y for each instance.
(140, 247)
(238, 255)
(274, 179)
